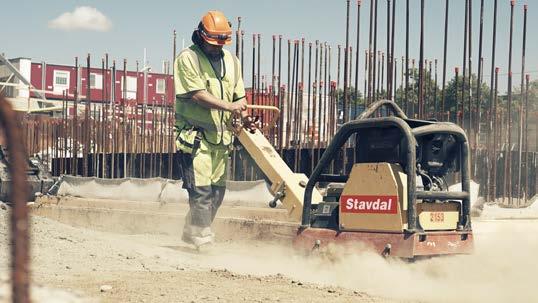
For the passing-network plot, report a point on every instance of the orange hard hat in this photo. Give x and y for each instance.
(215, 28)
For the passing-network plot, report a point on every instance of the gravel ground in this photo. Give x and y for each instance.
(81, 265)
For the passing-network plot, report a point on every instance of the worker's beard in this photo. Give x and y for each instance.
(212, 55)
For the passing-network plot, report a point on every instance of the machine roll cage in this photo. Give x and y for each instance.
(365, 121)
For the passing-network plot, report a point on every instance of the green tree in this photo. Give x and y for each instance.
(356, 101)
(455, 97)
(532, 94)
(431, 95)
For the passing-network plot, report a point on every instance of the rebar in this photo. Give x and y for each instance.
(421, 64)
(19, 221)
(356, 50)
(346, 58)
(443, 96)
(521, 101)
(491, 125)
(393, 41)
(464, 70)
(406, 95)
(508, 162)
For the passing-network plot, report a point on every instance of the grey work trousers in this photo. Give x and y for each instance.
(204, 201)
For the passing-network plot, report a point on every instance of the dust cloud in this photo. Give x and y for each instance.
(502, 268)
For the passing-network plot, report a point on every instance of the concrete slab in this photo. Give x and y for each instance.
(134, 217)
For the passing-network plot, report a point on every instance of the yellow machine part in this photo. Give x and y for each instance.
(375, 199)
(278, 172)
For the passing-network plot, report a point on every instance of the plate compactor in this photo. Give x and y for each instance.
(394, 201)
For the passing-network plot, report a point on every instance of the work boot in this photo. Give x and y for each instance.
(187, 231)
(201, 236)
(187, 238)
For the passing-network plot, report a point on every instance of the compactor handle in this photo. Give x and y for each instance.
(274, 109)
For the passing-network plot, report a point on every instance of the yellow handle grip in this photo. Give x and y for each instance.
(275, 109)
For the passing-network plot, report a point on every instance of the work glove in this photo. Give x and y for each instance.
(251, 123)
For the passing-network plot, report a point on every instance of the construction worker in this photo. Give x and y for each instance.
(209, 92)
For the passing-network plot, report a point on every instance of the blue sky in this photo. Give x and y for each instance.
(136, 25)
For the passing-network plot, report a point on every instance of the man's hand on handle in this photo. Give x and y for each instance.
(251, 123)
(238, 107)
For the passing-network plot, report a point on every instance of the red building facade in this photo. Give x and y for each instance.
(57, 79)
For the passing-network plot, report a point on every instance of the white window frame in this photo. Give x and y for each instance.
(60, 88)
(97, 82)
(132, 87)
(160, 86)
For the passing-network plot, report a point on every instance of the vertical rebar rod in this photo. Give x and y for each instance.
(392, 57)
(350, 69)
(87, 119)
(320, 98)
(314, 105)
(365, 91)
(521, 101)
(389, 62)
(74, 129)
(443, 93)
(310, 137)
(526, 133)
(456, 80)
(469, 80)
(402, 82)
(237, 34)
(382, 70)
(491, 125)
(495, 127)
(435, 89)
(107, 96)
(19, 217)
(293, 102)
(464, 70)
(272, 95)
(258, 86)
(406, 94)
(253, 86)
(369, 55)
(479, 77)
(428, 92)
(375, 69)
(280, 101)
(395, 80)
(288, 99)
(421, 64)
(63, 164)
(338, 69)
(346, 58)
(330, 110)
(301, 93)
(413, 85)
(242, 52)
(123, 120)
(356, 50)
(113, 121)
(509, 113)
(102, 119)
(301, 100)
(325, 84)
(170, 123)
